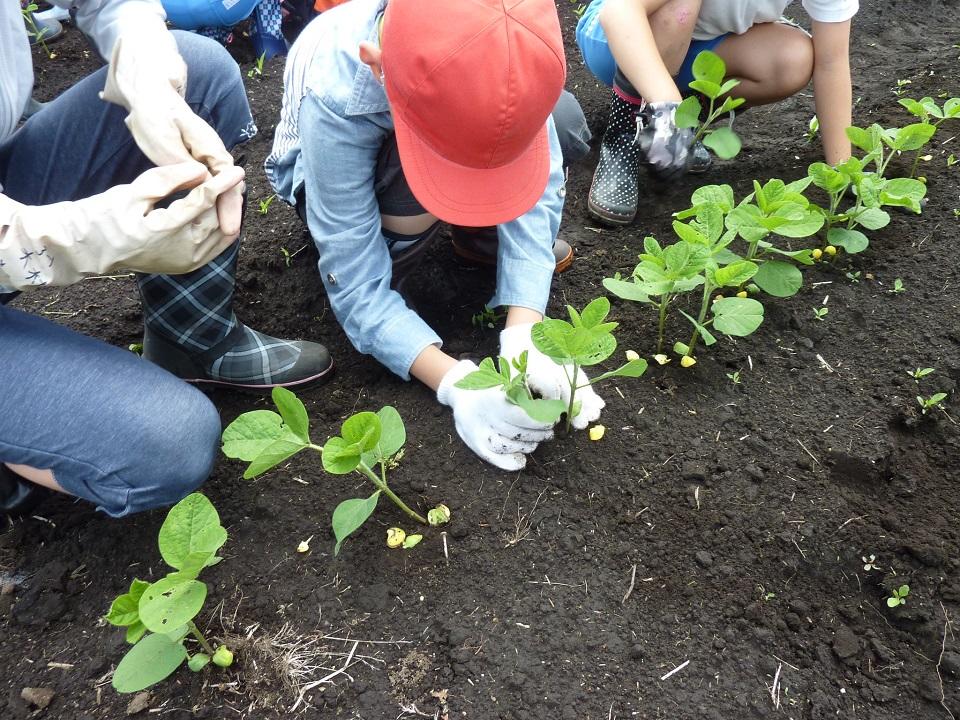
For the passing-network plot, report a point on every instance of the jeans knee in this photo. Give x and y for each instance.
(215, 88)
(572, 129)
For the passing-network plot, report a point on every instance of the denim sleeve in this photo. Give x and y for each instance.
(525, 262)
(103, 20)
(339, 156)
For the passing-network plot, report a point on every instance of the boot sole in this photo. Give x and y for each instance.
(606, 216)
(207, 383)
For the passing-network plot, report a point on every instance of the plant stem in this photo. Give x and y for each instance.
(704, 305)
(195, 631)
(573, 393)
(382, 485)
(916, 162)
(664, 301)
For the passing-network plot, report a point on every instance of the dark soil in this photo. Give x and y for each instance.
(745, 509)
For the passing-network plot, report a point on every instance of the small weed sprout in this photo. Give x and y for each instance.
(935, 401)
(898, 287)
(486, 318)
(734, 377)
(819, 313)
(899, 596)
(854, 277)
(813, 129)
(257, 69)
(286, 255)
(920, 373)
(952, 160)
(265, 439)
(189, 540)
(265, 204)
(870, 564)
(708, 72)
(901, 87)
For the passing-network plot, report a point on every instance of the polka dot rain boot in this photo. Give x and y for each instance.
(616, 184)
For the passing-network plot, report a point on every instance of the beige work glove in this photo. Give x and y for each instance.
(121, 228)
(148, 77)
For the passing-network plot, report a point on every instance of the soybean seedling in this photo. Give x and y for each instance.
(820, 313)
(257, 69)
(708, 72)
(899, 596)
(159, 616)
(734, 377)
(919, 373)
(265, 204)
(265, 439)
(583, 342)
(931, 114)
(511, 376)
(34, 30)
(929, 403)
(813, 129)
(898, 287)
(486, 318)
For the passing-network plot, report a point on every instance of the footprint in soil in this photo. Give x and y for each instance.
(865, 475)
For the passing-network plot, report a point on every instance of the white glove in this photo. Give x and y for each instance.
(495, 429)
(548, 379)
(148, 77)
(59, 244)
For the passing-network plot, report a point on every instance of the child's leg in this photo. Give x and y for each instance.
(672, 27)
(772, 61)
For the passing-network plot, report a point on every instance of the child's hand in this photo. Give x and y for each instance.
(666, 147)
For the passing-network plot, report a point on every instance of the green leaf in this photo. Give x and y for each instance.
(191, 526)
(862, 139)
(708, 65)
(778, 278)
(737, 316)
(198, 661)
(393, 435)
(597, 350)
(625, 290)
(275, 453)
(481, 379)
(350, 515)
(735, 274)
(411, 541)
(171, 602)
(903, 192)
(719, 195)
(873, 218)
(362, 429)
(914, 108)
(293, 412)
(800, 223)
(539, 409)
(135, 632)
(340, 457)
(724, 142)
(689, 234)
(687, 114)
(632, 369)
(853, 241)
(147, 663)
(708, 88)
(248, 435)
(951, 108)
(595, 312)
(124, 610)
(913, 137)
(681, 348)
(708, 338)
(550, 337)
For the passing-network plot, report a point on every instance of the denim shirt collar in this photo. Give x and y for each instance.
(368, 94)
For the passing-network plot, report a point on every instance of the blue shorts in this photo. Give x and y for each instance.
(599, 60)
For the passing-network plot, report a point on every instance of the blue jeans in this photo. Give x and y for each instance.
(114, 429)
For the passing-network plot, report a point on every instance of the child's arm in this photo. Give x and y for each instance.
(627, 27)
(832, 87)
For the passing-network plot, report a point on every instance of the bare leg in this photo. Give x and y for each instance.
(408, 224)
(40, 477)
(672, 27)
(772, 61)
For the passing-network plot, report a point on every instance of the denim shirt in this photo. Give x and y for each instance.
(334, 120)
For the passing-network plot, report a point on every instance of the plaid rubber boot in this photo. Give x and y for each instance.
(616, 182)
(192, 332)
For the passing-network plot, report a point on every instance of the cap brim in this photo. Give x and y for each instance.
(469, 196)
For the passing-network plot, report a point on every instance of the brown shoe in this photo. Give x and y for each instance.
(478, 246)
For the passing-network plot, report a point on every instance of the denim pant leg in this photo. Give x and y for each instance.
(572, 129)
(79, 146)
(114, 429)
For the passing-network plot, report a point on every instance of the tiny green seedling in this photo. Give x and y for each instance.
(734, 377)
(819, 313)
(870, 564)
(708, 72)
(265, 439)
(265, 204)
(287, 257)
(813, 129)
(901, 87)
(899, 596)
(898, 287)
(189, 540)
(35, 31)
(583, 342)
(920, 373)
(135, 348)
(486, 318)
(952, 160)
(854, 277)
(257, 69)
(932, 402)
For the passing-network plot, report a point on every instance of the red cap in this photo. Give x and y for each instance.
(471, 84)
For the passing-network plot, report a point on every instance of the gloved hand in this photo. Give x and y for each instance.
(666, 147)
(498, 431)
(548, 379)
(148, 77)
(59, 244)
